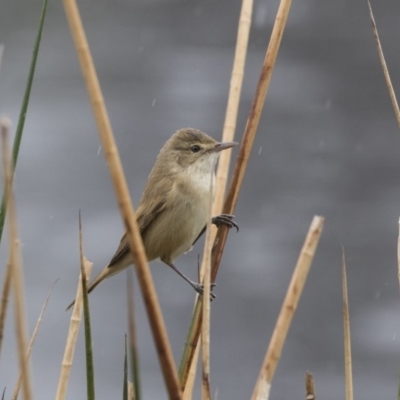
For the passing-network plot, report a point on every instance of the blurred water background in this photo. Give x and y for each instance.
(327, 144)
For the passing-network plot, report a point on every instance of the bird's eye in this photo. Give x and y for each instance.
(195, 148)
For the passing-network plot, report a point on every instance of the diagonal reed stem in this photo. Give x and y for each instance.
(237, 179)
(289, 306)
(121, 189)
(386, 74)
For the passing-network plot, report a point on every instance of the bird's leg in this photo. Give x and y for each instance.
(222, 219)
(198, 287)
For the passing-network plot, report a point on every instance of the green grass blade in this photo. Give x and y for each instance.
(22, 114)
(398, 389)
(125, 386)
(132, 340)
(86, 314)
(88, 342)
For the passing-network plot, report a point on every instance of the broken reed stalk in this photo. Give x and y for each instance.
(72, 336)
(263, 384)
(228, 134)
(131, 391)
(16, 270)
(347, 338)
(122, 193)
(392, 93)
(310, 387)
(237, 179)
(32, 341)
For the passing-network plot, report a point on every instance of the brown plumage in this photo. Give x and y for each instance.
(172, 212)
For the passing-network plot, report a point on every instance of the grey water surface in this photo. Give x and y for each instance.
(327, 144)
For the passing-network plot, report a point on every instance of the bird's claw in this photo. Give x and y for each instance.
(199, 288)
(225, 219)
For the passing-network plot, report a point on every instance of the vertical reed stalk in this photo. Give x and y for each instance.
(227, 136)
(347, 337)
(16, 271)
(310, 387)
(72, 336)
(31, 343)
(237, 179)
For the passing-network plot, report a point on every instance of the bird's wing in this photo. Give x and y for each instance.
(149, 208)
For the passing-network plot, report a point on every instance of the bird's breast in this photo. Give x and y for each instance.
(194, 200)
(186, 211)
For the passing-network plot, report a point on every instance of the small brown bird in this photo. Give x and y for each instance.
(173, 211)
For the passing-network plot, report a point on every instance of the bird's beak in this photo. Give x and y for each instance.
(223, 146)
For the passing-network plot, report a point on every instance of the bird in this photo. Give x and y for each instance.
(173, 210)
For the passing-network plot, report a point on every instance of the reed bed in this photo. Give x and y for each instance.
(178, 386)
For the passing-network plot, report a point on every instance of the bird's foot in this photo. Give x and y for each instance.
(225, 219)
(199, 288)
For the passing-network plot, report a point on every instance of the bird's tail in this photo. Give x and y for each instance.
(95, 282)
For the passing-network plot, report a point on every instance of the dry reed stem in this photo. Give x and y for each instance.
(191, 377)
(310, 387)
(398, 255)
(251, 126)
(233, 101)
(16, 270)
(263, 385)
(5, 292)
(347, 338)
(131, 391)
(227, 136)
(1, 53)
(237, 179)
(384, 66)
(32, 341)
(121, 189)
(72, 336)
(205, 331)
